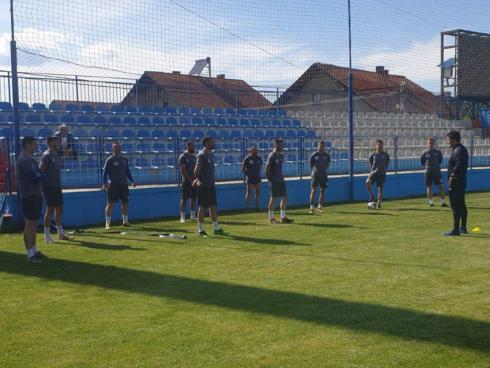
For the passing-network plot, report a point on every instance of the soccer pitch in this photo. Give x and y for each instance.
(348, 288)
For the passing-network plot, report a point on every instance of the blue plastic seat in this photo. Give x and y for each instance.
(100, 120)
(44, 132)
(51, 118)
(311, 134)
(258, 134)
(197, 121)
(171, 162)
(269, 134)
(102, 108)
(207, 111)
(143, 147)
(7, 132)
(87, 108)
(221, 122)
(286, 123)
(5, 106)
(96, 133)
(79, 132)
(276, 123)
(157, 110)
(24, 132)
(171, 121)
(252, 112)
(159, 147)
(223, 134)
(144, 120)
(195, 111)
(129, 120)
(55, 107)
(157, 133)
(127, 147)
(219, 111)
(296, 123)
(236, 134)
(184, 120)
(143, 133)
(266, 122)
(301, 133)
(33, 118)
(3, 118)
(245, 122)
(145, 110)
(171, 134)
(170, 110)
(141, 162)
(23, 106)
(67, 118)
(170, 147)
(112, 133)
(233, 122)
(209, 121)
(185, 134)
(83, 119)
(39, 107)
(198, 134)
(242, 112)
(212, 133)
(117, 108)
(229, 160)
(255, 122)
(291, 134)
(183, 110)
(158, 120)
(230, 112)
(158, 162)
(248, 133)
(280, 134)
(128, 133)
(71, 107)
(130, 109)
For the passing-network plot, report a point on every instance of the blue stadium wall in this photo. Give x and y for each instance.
(87, 207)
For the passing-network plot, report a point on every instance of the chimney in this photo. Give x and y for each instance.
(220, 76)
(176, 72)
(381, 70)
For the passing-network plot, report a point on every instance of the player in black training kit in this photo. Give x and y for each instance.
(251, 167)
(53, 195)
(431, 159)
(456, 171)
(378, 165)
(319, 163)
(116, 175)
(187, 165)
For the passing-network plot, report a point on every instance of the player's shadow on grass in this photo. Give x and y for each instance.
(325, 225)
(244, 223)
(267, 241)
(116, 247)
(408, 324)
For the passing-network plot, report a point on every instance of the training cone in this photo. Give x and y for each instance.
(476, 229)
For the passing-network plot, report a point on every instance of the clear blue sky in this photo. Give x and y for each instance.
(272, 43)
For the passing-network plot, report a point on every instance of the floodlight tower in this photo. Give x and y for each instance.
(15, 81)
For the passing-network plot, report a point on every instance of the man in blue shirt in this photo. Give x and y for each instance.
(378, 166)
(431, 159)
(187, 165)
(319, 164)
(116, 175)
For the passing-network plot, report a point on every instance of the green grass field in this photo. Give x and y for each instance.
(348, 288)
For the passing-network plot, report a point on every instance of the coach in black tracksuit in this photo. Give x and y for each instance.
(456, 170)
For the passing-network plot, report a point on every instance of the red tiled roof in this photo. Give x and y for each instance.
(195, 91)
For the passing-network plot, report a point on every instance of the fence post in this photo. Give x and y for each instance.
(302, 154)
(472, 150)
(8, 84)
(396, 153)
(100, 145)
(76, 88)
(176, 159)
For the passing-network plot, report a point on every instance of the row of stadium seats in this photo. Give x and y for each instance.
(117, 108)
(440, 123)
(132, 132)
(361, 115)
(87, 119)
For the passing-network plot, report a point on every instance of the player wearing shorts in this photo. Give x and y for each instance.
(29, 179)
(206, 190)
(187, 165)
(251, 167)
(277, 184)
(319, 163)
(53, 195)
(116, 175)
(431, 160)
(378, 166)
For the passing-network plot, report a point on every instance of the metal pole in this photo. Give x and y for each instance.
(351, 115)
(15, 82)
(76, 88)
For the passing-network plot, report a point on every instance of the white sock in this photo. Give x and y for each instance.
(182, 215)
(271, 215)
(215, 225)
(283, 214)
(312, 206)
(34, 248)
(320, 205)
(60, 230)
(125, 219)
(443, 200)
(47, 233)
(30, 252)
(200, 226)
(431, 201)
(108, 220)
(193, 214)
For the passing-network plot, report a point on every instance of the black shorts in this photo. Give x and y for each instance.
(319, 181)
(432, 179)
(278, 188)
(188, 191)
(32, 207)
(53, 197)
(117, 193)
(379, 180)
(206, 196)
(253, 181)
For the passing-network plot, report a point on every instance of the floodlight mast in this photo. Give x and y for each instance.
(15, 81)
